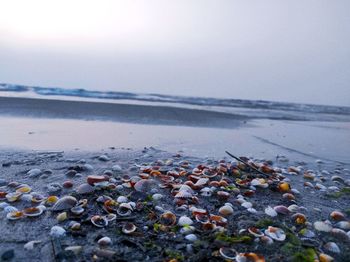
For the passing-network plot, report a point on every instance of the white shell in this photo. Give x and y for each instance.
(343, 225)
(187, 230)
(323, 226)
(275, 233)
(270, 212)
(157, 197)
(65, 203)
(332, 247)
(9, 209)
(184, 220)
(57, 232)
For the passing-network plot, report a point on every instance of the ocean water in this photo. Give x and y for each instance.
(213, 103)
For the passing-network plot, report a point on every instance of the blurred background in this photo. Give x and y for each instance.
(294, 51)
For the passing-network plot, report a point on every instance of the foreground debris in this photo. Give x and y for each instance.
(158, 207)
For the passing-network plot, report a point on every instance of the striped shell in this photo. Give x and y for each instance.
(65, 203)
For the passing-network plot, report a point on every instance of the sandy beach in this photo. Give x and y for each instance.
(65, 142)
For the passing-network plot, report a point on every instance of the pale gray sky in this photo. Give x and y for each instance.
(295, 51)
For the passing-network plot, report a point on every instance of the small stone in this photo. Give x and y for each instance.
(117, 168)
(8, 255)
(185, 221)
(57, 232)
(103, 158)
(157, 197)
(6, 164)
(33, 173)
(191, 237)
(88, 167)
(71, 173)
(104, 241)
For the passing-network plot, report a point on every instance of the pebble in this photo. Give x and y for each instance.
(57, 232)
(104, 241)
(33, 173)
(117, 168)
(191, 237)
(103, 158)
(157, 197)
(184, 220)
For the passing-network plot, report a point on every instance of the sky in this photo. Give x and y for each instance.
(294, 51)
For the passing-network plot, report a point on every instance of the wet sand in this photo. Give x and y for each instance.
(56, 135)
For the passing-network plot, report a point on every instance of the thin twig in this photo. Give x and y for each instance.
(246, 163)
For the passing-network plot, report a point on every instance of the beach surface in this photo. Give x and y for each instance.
(57, 136)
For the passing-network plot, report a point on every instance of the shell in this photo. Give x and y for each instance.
(67, 184)
(92, 180)
(37, 198)
(77, 210)
(202, 218)
(228, 253)
(244, 257)
(325, 258)
(12, 197)
(284, 187)
(256, 232)
(14, 215)
(226, 210)
(57, 232)
(128, 228)
(340, 234)
(307, 233)
(85, 189)
(293, 208)
(104, 241)
(323, 226)
(30, 245)
(99, 221)
(124, 209)
(266, 240)
(144, 185)
(343, 225)
(8, 209)
(65, 203)
(185, 221)
(167, 219)
(122, 199)
(337, 216)
(32, 211)
(61, 217)
(288, 196)
(218, 220)
(111, 217)
(51, 200)
(110, 206)
(332, 247)
(283, 210)
(299, 218)
(270, 212)
(223, 195)
(206, 191)
(183, 195)
(275, 233)
(24, 189)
